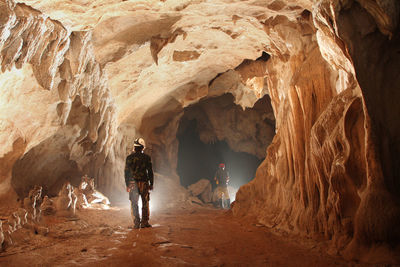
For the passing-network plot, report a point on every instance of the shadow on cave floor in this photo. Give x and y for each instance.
(194, 235)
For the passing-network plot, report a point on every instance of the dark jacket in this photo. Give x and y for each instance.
(138, 167)
(222, 177)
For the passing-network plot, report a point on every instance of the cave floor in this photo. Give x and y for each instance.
(195, 236)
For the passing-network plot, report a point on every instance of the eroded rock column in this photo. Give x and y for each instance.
(325, 172)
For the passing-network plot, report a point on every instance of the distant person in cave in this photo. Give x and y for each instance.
(221, 178)
(139, 181)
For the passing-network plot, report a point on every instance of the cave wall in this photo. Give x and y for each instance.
(375, 54)
(329, 171)
(57, 114)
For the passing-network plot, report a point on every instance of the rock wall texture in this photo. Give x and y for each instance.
(57, 116)
(81, 79)
(332, 168)
(250, 130)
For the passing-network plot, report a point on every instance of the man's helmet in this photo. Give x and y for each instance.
(221, 165)
(139, 142)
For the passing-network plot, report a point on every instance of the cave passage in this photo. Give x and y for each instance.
(197, 160)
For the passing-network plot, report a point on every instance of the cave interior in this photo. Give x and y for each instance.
(298, 98)
(199, 160)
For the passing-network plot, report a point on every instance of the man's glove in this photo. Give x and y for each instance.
(128, 189)
(216, 181)
(151, 187)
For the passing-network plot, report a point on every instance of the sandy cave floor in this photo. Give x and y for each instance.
(195, 236)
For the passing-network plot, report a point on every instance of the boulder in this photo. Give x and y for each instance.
(199, 187)
(47, 206)
(87, 194)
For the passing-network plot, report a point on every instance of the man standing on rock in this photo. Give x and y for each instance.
(222, 179)
(139, 181)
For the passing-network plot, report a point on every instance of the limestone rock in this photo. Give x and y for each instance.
(65, 202)
(62, 80)
(202, 189)
(93, 79)
(199, 187)
(47, 207)
(218, 118)
(23, 216)
(206, 195)
(87, 191)
(194, 200)
(7, 242)
(13, 222)
(32, 203)
(1, 236)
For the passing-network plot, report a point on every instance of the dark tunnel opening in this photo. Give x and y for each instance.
(197, 160)
(216, 130)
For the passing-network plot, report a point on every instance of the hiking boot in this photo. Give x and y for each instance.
(135, 226)
(145, 225)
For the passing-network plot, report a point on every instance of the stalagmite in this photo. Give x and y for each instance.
(65, 202)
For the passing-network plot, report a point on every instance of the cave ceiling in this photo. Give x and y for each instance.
(155, 50)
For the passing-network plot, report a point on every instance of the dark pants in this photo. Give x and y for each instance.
(139, 188)
(224, 200)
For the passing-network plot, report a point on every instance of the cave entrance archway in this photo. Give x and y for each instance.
(198, 160)
(216, 130)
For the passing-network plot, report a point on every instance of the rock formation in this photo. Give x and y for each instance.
(202, 189)
(81, 80)
(32, 203)
(1, 236)
(218, 118)
(65, 202)
(67, 110)
(326, 171)
(22, 224)
(47, 207)
(87, 195)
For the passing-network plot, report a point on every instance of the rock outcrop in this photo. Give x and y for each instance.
(51, 75)
(202, 189)
(87, 195)
(1, 236)
(65, 202)
(218, 118)
(33, 202)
